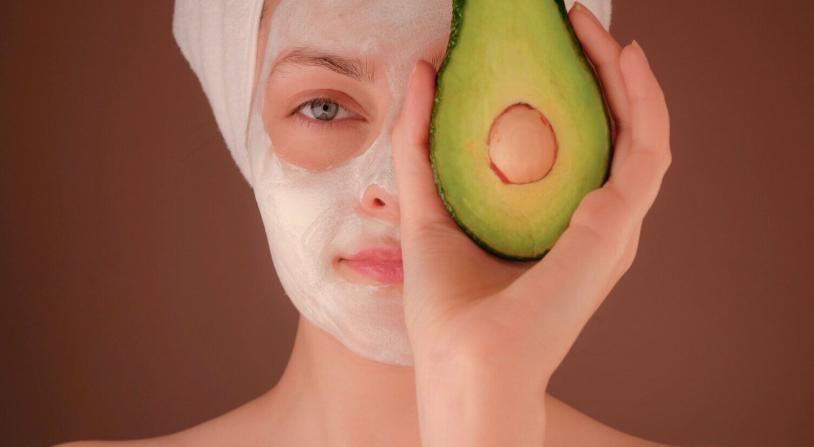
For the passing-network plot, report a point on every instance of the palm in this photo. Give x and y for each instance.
(455, 271)
(460, 299)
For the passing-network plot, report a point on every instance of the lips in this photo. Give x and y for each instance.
(380, 264)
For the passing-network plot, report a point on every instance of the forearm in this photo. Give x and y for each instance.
(479, 405)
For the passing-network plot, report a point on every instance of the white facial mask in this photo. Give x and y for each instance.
(312, 217)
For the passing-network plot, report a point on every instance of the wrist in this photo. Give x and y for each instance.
(483, 367)
(463, 401)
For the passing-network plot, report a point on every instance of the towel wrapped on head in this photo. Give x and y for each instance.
(219, 39)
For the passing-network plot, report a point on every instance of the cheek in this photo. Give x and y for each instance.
(315, 148)
(314, 145)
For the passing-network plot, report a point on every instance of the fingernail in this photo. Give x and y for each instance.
(639, 49)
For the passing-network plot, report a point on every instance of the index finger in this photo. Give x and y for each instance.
(603, 53)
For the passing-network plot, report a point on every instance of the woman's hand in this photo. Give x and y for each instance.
(486, 333)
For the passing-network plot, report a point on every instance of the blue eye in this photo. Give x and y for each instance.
(323, 109)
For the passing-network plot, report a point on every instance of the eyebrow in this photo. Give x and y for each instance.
(357, 69)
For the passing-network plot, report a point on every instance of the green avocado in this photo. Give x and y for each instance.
(513, 58)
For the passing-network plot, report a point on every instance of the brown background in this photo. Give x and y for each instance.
(138, 296)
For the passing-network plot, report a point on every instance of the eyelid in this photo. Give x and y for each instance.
(338, 97)
(330, 100)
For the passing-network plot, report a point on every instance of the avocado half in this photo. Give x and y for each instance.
(501, 55)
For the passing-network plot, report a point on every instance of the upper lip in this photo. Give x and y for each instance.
(382, 253)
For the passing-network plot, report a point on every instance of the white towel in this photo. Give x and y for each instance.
(219, 39)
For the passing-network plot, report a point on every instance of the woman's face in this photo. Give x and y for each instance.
(330, 82)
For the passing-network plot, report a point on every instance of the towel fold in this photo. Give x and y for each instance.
(219, 39)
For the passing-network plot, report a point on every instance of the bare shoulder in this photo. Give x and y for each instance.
(212, 432)
(248, 425)
(202, 435)
(567, 426)
(163, 441)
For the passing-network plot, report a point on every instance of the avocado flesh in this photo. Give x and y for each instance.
(501, 54)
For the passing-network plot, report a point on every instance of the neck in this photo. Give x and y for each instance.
(356, 401)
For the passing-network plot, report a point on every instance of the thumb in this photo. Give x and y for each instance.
(419, 202)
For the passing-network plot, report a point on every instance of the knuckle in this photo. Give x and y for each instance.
(668, 155)
(600, 220)
(619, 202)
(620, 210)
(629, 257)
(428, 233)
(656, 160)
(660, 160)
(610, 58)
(589, 212)
(587, 231)
(627, 263)
(665, 159)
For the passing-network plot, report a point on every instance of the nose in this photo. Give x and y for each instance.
(380, 204)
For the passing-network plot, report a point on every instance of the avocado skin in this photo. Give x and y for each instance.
(458, 7)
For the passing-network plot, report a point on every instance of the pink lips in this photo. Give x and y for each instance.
(380, 264)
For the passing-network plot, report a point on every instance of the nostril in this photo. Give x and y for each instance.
(379, 203)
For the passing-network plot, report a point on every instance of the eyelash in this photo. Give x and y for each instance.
(308, 122)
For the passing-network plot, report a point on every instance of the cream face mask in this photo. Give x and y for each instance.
(326, 187)
(331, 84)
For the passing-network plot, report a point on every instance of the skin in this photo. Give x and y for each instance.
(484, 352)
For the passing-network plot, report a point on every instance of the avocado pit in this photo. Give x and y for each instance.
(522, 145)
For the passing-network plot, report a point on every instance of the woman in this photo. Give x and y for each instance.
(457, 347)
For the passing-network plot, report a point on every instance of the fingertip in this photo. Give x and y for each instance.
(598, 44)
(578, 8)
(581, 10)
(423, 65)
(634, 65)
(422, 71)
(422, 80)
(640, 52)
(643, 87)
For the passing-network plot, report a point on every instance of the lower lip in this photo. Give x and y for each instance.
(386, 272)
